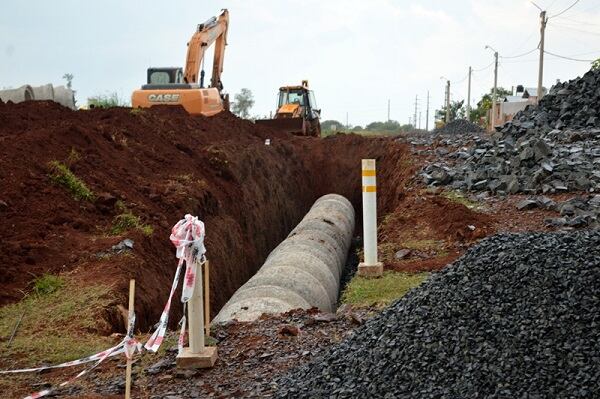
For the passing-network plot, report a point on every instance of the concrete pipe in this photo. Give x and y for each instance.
(304, 270)
(64, 96)
(45, 92)
(23, 93)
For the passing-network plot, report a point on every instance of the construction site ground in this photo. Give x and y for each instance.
(76, 184)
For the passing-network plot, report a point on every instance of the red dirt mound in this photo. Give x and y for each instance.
(433, 228)
(158, 165)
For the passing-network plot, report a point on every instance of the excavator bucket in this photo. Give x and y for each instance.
(288, 125)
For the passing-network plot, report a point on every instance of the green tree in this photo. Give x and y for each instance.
(243, 102)
(457, 111)
(596, 65)
(485, 104)
(69, 78)
(328, 125)
(390, 125)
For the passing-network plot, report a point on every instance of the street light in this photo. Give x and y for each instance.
(493, 118)
(447, 98)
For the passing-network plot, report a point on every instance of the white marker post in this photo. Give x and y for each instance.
(370, 267)
(197, 355)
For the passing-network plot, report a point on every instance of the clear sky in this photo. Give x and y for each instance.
(356, 54)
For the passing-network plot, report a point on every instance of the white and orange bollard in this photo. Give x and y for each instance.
(370, 267)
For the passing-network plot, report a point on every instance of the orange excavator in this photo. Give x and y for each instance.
(175, 86)
(296, 112)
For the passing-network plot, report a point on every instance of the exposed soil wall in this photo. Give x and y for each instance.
(158, 165)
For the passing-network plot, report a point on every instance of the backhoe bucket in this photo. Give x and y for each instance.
(288, 125)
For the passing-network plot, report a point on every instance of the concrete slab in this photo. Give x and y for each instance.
(203, 360)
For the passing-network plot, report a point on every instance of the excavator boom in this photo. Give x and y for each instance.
(211, 31)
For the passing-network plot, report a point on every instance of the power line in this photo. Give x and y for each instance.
(520, 61)
(564, 11)
(567, 58)
(575, 29)
(484, 68)
(577, 22)
(521, 55)
(460, 81)
(588, 53)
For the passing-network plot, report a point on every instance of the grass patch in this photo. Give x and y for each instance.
(422, 245)
(136, 111)
(127, 221)
(47, 284)
(381, 291)
(57, 326)
(61, 174)
(459, 198)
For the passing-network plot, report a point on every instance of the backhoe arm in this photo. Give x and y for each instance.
(213, 30)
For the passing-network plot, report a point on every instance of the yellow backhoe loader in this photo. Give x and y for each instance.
(296, 112)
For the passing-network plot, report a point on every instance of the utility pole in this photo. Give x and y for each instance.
(469, 96)
(347, 126)
(415, 117)
(494, 98)
(427, 113)
(388, 110)
(447, 101)
(419, 120)
(495, 90)
(543, 21)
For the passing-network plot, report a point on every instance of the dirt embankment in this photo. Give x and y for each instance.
(158, 165)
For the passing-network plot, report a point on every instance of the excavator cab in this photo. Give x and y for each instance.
(296, 112)
(158, 76)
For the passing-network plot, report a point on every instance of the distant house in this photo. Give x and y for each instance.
(508, 106)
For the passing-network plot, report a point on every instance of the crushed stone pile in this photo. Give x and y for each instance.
(515, 317)
(579, 211)
(458, 126)
(553, 147)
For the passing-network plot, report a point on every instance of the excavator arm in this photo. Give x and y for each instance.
(211, 31)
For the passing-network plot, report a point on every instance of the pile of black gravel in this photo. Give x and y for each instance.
(553, 147)
(574, 104)
(518, 316)
(458, 126)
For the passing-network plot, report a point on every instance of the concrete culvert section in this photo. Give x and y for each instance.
(23, 93)
(304, 270)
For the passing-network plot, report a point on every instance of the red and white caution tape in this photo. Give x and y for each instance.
(188, 237)
(128, 346)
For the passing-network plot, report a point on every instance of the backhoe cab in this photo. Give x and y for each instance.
(296, 112)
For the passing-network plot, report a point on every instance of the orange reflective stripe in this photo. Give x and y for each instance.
(368, 172)
(369, 189)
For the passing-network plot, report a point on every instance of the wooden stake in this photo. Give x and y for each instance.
(207, 299)
(195, 315)
(198, 356)
(129, 361)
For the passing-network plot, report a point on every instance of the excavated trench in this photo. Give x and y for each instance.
(159, 165)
